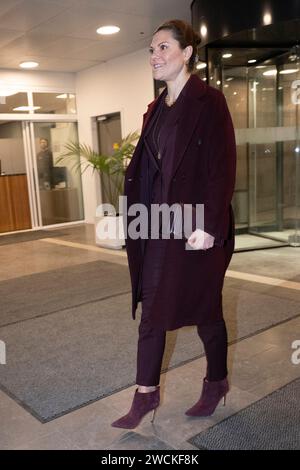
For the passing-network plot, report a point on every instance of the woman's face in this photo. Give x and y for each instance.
(167, 59)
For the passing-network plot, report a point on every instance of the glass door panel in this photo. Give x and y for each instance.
(109, 136)
(59, 183)
(262, 188)
(262, 149)
(234, 85)
(14, 197)
(274, 155)
(290, 86)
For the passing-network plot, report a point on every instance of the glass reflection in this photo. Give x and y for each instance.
(262, 89)
(54, 103)
(60, 188)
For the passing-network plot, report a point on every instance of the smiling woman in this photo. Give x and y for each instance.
(173, 53)
(180, 283)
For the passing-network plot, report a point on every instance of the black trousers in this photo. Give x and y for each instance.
(151, 342)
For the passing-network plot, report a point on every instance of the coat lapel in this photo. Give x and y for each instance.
(145, 129)
(190, 114)
(152, 107)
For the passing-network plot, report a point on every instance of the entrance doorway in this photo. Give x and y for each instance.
(36, 190)
(262, 89)
(15, 211)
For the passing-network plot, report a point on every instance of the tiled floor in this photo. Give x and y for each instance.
(258, 365)
(251, 242)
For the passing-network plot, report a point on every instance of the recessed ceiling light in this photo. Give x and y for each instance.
(29, 65)
(260, 66)
(267, 18)
(270, 73)
(201, 65)
(203, 30)
(64, 96)
(251, 61)
(287, 71)
(26, 108)
(108, 30)
(227, 55)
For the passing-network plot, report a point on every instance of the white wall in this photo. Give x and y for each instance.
(122, 85)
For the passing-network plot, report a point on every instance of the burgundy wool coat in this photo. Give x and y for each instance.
(204, 166)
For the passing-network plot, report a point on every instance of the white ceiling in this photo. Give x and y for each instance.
(61, 34)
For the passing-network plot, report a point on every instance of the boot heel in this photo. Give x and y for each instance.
(153, 415)
(142, 404)
(212, 393)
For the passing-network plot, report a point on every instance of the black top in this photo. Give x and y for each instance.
(161, 142)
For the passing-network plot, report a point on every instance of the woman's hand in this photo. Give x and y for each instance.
(200, 240)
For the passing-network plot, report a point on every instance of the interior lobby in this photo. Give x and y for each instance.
(65, 375)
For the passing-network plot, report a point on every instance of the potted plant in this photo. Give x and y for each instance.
(111, 170)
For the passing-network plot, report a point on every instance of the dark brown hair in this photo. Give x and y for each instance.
(185, 35)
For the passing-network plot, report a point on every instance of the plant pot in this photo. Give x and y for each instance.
(109, 231)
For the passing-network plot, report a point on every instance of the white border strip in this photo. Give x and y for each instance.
(271, 281)
(82, 246)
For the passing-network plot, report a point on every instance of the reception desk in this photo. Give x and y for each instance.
(59, 205)
(14, 203)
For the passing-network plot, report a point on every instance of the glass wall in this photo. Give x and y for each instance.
(36, 188)
(13, 101)
(54, 103)
(262, 88)
(289, 115)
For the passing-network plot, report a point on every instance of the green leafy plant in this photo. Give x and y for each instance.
(111, 167)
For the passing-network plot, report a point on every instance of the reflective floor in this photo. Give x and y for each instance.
(258, 364)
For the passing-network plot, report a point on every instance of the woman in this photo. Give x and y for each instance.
(186, 154)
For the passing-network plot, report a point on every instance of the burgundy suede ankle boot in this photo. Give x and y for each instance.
(141, 405)
(211, 395)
